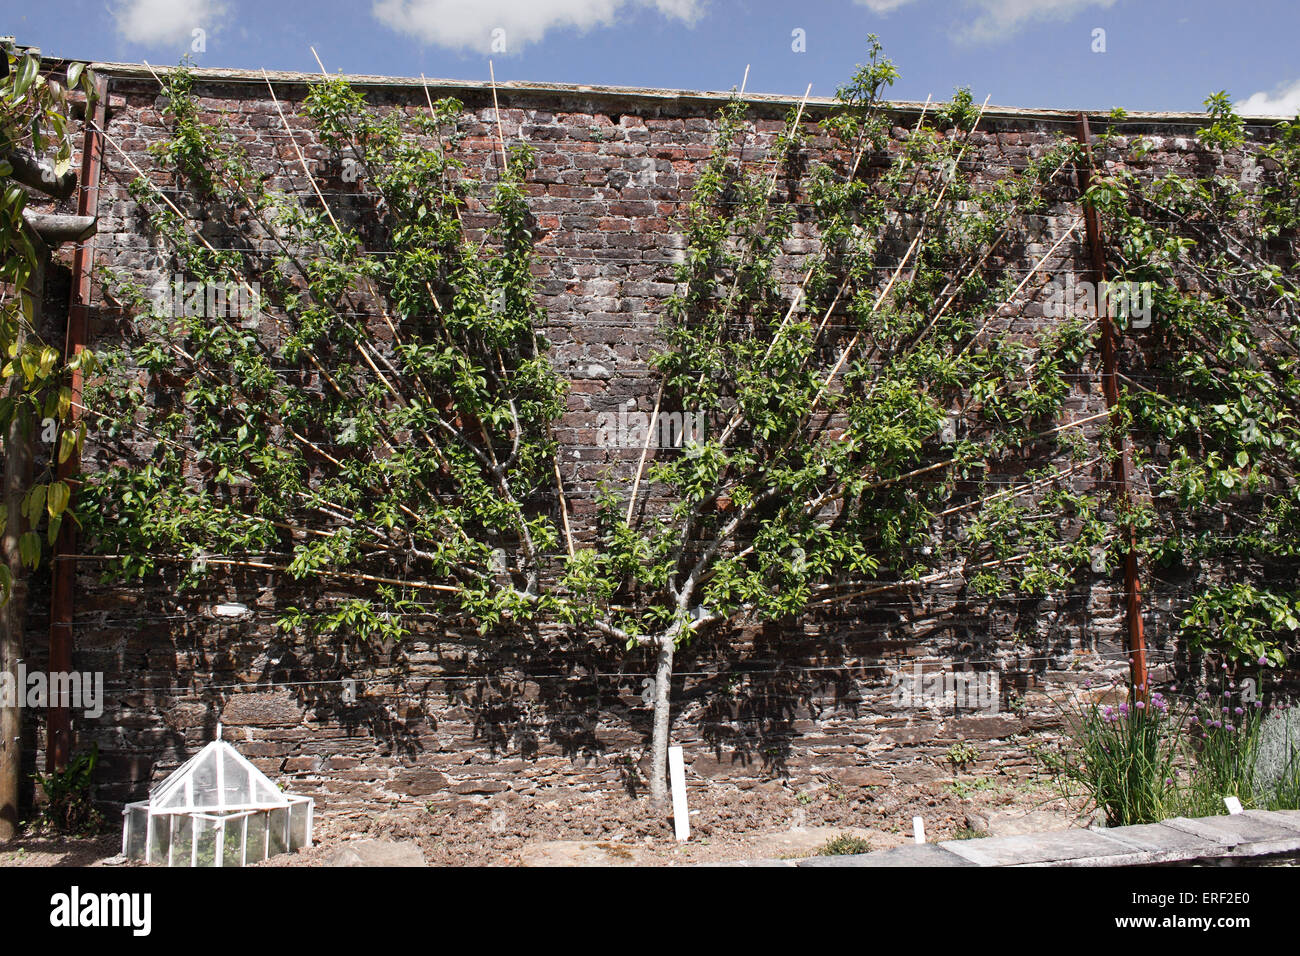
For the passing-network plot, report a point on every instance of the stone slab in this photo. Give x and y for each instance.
(1290, 819)
(1163, 844)
(912, 854)
(1244, 835)
(1037, 848)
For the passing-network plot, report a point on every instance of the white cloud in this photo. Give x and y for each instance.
(996, 19)
(1283, 101)
(469, 24)
(155, 23)
(881, 6)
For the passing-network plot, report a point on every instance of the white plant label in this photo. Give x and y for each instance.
(677, 778)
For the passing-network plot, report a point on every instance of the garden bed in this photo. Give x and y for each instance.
(728, 823)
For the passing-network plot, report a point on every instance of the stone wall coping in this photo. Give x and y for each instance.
(629, 95)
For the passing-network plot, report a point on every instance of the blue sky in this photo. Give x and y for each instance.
(1159, 54)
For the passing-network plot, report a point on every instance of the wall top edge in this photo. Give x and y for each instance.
(629, 93)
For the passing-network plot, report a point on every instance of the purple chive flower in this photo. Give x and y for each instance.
(1141, 705)
(1238, 711)
(1262, 660)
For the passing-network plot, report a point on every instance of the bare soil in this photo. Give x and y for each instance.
(771, 820)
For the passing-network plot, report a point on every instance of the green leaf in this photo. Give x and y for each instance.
(68, 441)
(34, 503)
(29, 549)
(27, 72)
(56, 498)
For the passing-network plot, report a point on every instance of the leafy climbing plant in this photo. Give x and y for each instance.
(1214, 397)
(862, 401)
(847, 323)
(35, 136)
(374, 418)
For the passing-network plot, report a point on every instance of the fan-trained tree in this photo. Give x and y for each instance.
(857, 400)
(369, 413)
(372, 417)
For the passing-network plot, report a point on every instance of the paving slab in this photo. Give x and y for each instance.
(1246, 835)
(1162, 844)
(1038, 848)
(911, 854)
(1283, 818)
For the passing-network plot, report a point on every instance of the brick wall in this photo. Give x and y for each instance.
(447, 713)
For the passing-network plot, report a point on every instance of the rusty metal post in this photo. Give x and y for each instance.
(1122, 467)
(58, 726)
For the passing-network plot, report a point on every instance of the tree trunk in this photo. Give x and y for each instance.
(17, 468)
(659, 736)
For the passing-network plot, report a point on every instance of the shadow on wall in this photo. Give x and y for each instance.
(742, 702)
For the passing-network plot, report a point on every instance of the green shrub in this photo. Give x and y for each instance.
(69, 807)
(843, 845)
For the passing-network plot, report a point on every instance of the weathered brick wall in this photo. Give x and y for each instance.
(447, 714)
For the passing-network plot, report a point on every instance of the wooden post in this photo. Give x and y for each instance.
(1122, 468)
(58, 722)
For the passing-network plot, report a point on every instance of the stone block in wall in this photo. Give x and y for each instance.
(863, 777)
(260, 710)
(419, 783)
